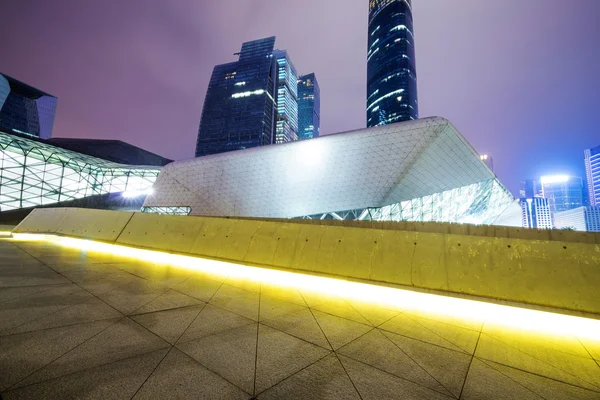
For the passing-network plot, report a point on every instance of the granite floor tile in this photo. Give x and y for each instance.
(579, 371)
(375, 315)
(118, 380)
(131, 297)
(448, 367)
(377, 350)
(484, 382)
(11, 293)
(339, 331)
(592, 347)
(281, 355)
(199, 287)
(374, 384)
(231, 354)
(122, 340)
(86, 311)
(341, 308)
(326, 380)
(273, 308)
(245, 284)
(169, 300)
(291, 295)
(26, 353)
(301, 324)
(180, 377)
(546, 388)
(169, 324)
(212, 320)
(25, 309)
(449, 336)
(237, 300)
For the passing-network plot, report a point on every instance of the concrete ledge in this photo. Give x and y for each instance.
(443, 257)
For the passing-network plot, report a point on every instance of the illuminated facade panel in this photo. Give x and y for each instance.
(34, 173)
(419, 170)
(309, 107)
(25, 110)
(581, 219)
(286, 129)
(391, 65)
(592, 172)
(239, 109)
(563, 192)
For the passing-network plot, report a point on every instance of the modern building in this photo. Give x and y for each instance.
(286, 129)
(581, 219)
(309, 107)
(535, 213)
(563, 192)
(592, 173)
(391, 66)
(25, 110)
(34, 172)
(240, 105)
(420, 170)
(530, 189)
(488, 160)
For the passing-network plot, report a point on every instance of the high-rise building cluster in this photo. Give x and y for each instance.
(256, 101)
(560, 201)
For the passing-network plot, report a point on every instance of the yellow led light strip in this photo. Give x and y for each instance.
(5, 233)
(470, 310)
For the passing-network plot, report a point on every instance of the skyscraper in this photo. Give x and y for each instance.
(309, 107)
(536, 213)
(592, 172)
(581, 219)
(240, 107)
(25, 110)
(391, 66)
(563, 192)
(286, 129)
(530, 189)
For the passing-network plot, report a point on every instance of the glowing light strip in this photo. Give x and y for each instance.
(514, 317)
(5, 233)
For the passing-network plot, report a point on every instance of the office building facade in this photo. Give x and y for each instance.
(592, 173)
(286, 129)
(25, 110)
(563, 192)
(535, 213)
(581, 219)
(530, 188)
(391, 65)
(240, 106)
(309, 107)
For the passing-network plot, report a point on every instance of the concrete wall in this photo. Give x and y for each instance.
(444, 257)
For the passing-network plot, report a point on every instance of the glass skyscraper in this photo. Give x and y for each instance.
(563, 192)
(25, 110)
(286, 129)
(240, 105)
(592, 172)
(309, 107)
(391, 67)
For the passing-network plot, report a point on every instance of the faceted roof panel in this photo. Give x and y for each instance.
(365, 168)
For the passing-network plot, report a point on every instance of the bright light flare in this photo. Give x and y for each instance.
(5, 233)
(137, 193)
(549, 179)
(470, 310)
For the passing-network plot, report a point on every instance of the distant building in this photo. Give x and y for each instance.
(286, 129)
(309, 107)
(240, 107)
(580, 219)
(530, 189)
(488, 160)
(391, 66)
(25, 110)
(563, 192)
(536, 213)
(592, 172)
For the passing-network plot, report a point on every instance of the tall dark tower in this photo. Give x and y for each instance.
(391, 66)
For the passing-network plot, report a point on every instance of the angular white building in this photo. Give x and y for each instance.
(421, 170)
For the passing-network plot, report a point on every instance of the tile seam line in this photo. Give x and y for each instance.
(152, 373)
(257, 337)
(586, 349)
(462, 389)
(512, 379)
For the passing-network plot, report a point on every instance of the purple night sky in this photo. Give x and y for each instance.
(518, 78)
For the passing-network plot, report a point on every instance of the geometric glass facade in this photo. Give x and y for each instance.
(25, 110)
(391, 66)
(563, 192)
(592, 172)
(33, 173)
(287, 98)
(309, 107)
(479, 203)
(239, 109)
(167, 210)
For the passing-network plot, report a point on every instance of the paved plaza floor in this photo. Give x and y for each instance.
(85, 325)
